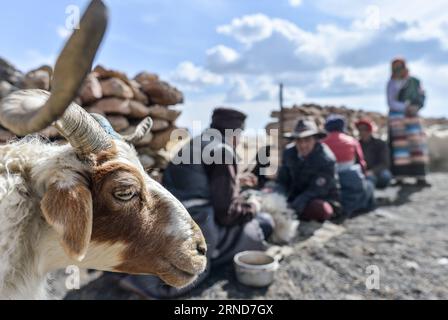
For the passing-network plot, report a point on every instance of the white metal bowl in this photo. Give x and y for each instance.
(255, 268)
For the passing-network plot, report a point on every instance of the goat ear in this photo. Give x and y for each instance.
(68, 209)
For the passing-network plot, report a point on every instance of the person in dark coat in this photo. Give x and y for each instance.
(204, 177)
(307, 176)
(263, 162)
(376, 154)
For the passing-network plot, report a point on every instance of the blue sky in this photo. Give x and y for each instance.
(235, 53)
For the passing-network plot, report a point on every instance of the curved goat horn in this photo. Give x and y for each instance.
(140, 132)
(29, 111)
(143, 129)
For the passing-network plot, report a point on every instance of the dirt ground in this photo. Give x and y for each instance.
(406, 238)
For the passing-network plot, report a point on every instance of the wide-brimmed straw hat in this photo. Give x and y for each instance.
(305, 128)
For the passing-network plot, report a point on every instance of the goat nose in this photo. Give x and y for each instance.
(202, 249)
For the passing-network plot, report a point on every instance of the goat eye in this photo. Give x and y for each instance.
(124, 195)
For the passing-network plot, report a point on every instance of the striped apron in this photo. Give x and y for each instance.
(409, 150)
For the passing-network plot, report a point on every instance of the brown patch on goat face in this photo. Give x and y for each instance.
(107, 155)
(68, 210)
(144, 223)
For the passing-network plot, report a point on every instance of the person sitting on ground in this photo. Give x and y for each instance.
(356, 191)
(203, 176)
(307, 175)
(376, 153)
(262, 165)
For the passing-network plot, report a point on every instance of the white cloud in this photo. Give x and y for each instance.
(249, 28)
(295, 3)
(431, 19)
(419, 33)
(282, 46)
(271, 45)
(349, 80)
(293, 95)
(434, 81)
(331, 61)
(194, 77)
(405, 10)
(265, 89)
(279, 45)
(239, 91)
(63, 32)
(259, 88)
(220, 58)
(346, 64)
(258, 111)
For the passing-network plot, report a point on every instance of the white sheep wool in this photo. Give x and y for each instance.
(286, 223)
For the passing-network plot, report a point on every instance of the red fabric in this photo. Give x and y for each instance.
(345, 148)
(318, 210)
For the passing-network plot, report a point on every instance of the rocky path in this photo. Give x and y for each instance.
(405, 241)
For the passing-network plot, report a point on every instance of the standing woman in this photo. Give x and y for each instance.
(407, 139)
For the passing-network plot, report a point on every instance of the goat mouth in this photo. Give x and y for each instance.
(177, 277)
(183, 272)
(188, 266)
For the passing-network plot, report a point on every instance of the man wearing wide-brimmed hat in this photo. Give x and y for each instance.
(307, 175)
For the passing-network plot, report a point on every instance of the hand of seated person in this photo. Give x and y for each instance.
(248, 179)
(267, 190)
(297, 205)
(245, 208)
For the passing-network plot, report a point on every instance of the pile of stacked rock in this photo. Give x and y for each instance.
(123, 101)
(12, 79)
(320, 113)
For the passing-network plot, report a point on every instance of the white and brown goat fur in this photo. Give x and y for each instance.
(30, 246)
(87, 203)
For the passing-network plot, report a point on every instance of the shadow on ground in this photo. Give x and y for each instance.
(404, 236)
